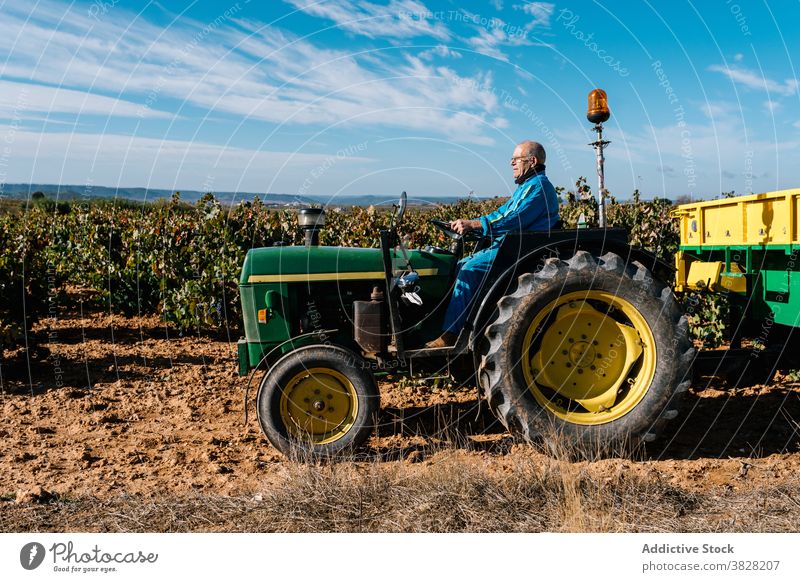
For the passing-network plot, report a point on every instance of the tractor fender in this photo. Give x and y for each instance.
(562, 249)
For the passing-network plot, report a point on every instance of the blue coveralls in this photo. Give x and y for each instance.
(532, 206)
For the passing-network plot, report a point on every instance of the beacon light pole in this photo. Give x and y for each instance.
(598, 113)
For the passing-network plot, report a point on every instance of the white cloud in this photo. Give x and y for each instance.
(240, 67)
(753, 80)
(771, 106)
(494, 33)
(20, 98)
(398, 19)
(719, 109)
(541, 12)
(738, 57)
(487, 42)
(328, 86)
(440, 51)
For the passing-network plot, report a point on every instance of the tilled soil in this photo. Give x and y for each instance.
(106, 408)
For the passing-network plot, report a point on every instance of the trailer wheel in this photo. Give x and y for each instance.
(592, 350)
(318, 402)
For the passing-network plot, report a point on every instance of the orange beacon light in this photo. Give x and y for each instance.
(598, 107)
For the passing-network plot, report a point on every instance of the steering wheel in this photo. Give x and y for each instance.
(445, 228)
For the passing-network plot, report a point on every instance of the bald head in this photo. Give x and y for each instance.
(526, 155)
(534, 149)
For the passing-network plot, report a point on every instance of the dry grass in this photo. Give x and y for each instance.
(448, 492)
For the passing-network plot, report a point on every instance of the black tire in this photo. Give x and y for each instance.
(615, 296)
(318, 402)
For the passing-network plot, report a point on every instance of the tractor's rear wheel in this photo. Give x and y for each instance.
(318, 402)
(594, 351)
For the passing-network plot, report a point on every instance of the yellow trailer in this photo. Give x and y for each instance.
(747, 246)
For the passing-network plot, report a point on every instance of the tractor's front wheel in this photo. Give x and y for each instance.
(593, 350)
(318, 402)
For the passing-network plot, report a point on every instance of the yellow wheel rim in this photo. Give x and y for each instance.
(589, 357)
(319, 405)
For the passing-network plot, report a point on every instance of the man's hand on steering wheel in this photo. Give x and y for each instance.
(462, 226)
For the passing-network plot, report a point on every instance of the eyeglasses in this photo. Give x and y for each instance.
(513, 159)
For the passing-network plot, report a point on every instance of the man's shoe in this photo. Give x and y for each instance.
(445, 340)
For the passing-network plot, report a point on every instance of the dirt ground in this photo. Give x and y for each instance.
(105, 408)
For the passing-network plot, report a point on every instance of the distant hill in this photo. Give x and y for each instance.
(71, 191)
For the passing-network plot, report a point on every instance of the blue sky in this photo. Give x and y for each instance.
(346, 97)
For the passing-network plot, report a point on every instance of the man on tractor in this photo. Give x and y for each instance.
(532, 206)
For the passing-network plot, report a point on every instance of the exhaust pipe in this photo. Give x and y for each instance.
(311, 220)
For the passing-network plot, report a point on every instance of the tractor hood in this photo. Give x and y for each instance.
(316, 263)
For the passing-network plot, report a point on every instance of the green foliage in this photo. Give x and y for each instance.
(579, 202)
(27, 277)
(707, 314)
(650, 224)
(182, 261)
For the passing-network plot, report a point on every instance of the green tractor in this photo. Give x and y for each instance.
(573, 331)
